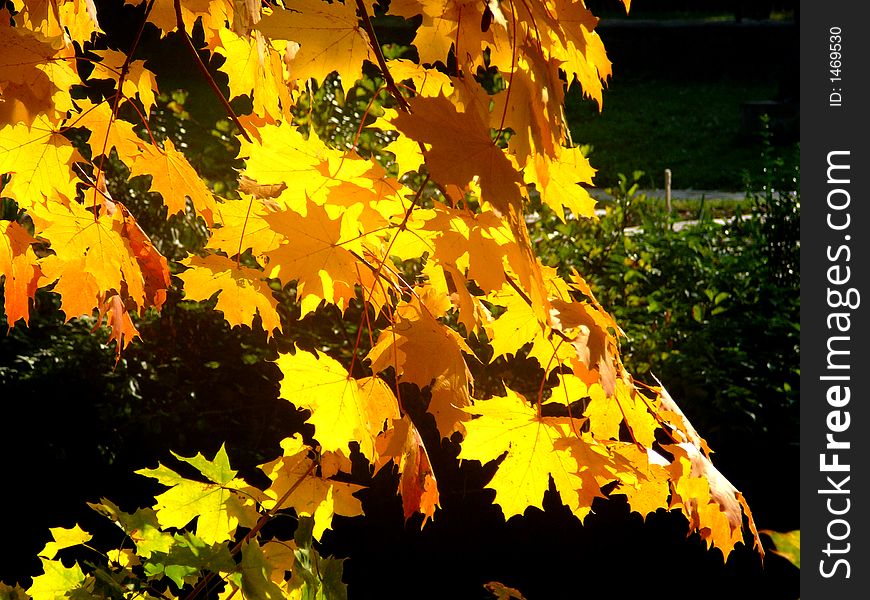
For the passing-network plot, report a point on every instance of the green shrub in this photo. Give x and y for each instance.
(711, 308)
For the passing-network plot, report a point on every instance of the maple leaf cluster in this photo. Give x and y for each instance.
(337, 224)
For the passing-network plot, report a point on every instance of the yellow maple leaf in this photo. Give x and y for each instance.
(446, 23)
(316, 252)
(582, 49)
(296, 485)
(558, 180)
(106, 131)
(603, 414)
(329, 37)
(644, 482)
(163, 12)
(216, 504)
(282, 155)
(39, 160)
(518, 325)
(535, 448)
(79, 18)
(56, 580)
(242, 291)
(138, 79)
(240, 226)
(35, 76)
(532, 106)
(173, 177)
(711, 503)
(64, 538)
(254, 69)
(93, 258)
(451, 283)
(427, 81)
(343, 409)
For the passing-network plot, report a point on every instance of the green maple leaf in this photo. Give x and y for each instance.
(188, 556)
(256, 572)
(142, 527)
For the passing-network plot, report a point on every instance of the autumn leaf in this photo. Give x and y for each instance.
(163, 12)
(216, 503)
(316, 252)
(242, 292)
(137, 79)
(417, 333)
(343, 409)
(35, 76)
(106, 131)
(709, 500)
(559, 179)
(296, 485)
(534, 449)
(445, 24)
(461, 149)
(503, 592)
(644, 481)
(142, 527)
(19, 270)
(64, 538)
(93, 259)
(254, 69)
(305, 166)
(56, 580)
(173, 177)
(786, 544)
(256, 574)
(122, 330)
(39, 159)
(417, 484)
(329, 37)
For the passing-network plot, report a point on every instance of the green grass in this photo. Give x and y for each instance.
(691, 127)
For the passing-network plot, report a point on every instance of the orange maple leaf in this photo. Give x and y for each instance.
(93, 258)
(417, 484)
(418, 333)
(315, 251)
(35, 76)
(19, 269)
(461, 148)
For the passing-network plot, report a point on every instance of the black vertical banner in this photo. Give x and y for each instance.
(835, 300)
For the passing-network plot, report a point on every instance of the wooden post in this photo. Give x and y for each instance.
(668, 189)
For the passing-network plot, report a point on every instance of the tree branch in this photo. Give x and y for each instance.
(179, 21)
(382, 63)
